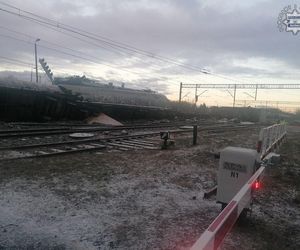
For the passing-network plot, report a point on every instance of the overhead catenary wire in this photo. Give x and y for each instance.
(40, 19)
(66, 53)
(115, 50)
(53, 23)
(16, 61)
(58, 25)
(87, 34)
(33, 38)
(54, 44)
(6, 61)
(77, 56)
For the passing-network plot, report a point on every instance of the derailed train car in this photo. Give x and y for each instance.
(21, 100)
(93, 91)
(75, 98)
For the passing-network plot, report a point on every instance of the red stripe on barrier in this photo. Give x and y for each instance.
(225, 228)
(221, 216)
(213, 237)
(256, 175)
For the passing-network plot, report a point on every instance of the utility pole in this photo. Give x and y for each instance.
(235, 87)
(36, 67)
(234, 94)
(255, 92)
(180, 92)
(196, 96)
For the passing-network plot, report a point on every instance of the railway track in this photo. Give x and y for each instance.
(68, 130)
(121, 143)
(57, 130)
(57, 124)
(141, 140)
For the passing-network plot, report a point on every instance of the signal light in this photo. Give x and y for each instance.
(256, 184)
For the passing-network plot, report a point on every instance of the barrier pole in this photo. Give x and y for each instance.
(215, 234)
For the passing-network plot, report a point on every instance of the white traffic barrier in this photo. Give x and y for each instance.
(214, 235)
(270, 138)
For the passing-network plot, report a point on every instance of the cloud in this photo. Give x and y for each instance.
(226, 37)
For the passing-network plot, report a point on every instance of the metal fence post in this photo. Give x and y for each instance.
(195, 134)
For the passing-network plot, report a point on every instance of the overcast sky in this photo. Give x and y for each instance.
(237, 39)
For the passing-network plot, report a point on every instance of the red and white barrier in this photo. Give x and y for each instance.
(214, 235)
(270, 138)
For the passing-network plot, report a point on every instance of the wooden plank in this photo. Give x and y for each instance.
(136, 145)
(142, 142)
(119, 145)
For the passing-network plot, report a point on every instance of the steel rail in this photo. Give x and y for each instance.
(26, 133)
(211, 129)
(57, 131)
(98, 140)
(56, 152)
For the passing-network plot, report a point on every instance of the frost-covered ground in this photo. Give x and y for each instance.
(275, 219)
(127, 200)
